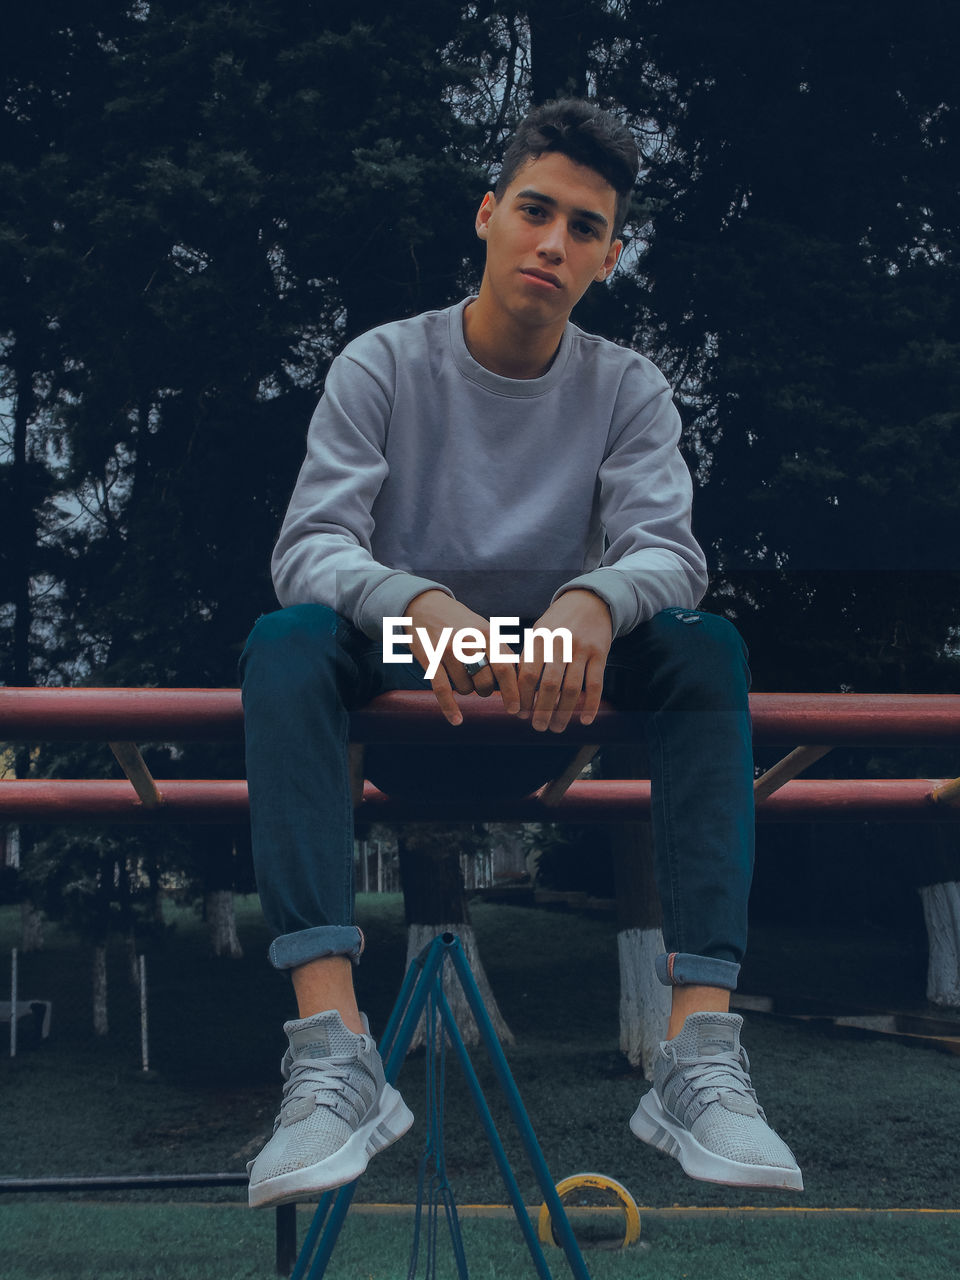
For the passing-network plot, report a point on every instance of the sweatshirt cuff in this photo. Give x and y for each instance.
(390, 600)
(614, 590)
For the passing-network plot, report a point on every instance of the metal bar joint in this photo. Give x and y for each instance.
(786, 770)
(134, 766)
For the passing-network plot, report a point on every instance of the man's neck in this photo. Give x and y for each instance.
(505, 347)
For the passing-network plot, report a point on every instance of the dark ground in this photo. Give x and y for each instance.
(874, 1121)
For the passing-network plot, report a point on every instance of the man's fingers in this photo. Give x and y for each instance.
(461, 681)
(444, 695)
(502, 675)
(572, 685)
(506, 677)
(484, 681)
(527, 678)
(594, 690)
(548, 692)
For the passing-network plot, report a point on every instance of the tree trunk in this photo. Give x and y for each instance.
(133, 960)
(435, 902)
(219, 881)
(419, 936)
(32, 922)
(222, 923)
(20, 518)
(644, 1000)
(100, 1022)
(155, 901)
(941, 911)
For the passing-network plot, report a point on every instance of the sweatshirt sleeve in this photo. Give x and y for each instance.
(323, 554)
(651, 559)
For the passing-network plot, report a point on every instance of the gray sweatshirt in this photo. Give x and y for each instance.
(424, 469)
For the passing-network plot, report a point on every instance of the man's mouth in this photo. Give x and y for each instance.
(546, 276)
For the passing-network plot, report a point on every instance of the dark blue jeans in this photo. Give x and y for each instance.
(684, 674)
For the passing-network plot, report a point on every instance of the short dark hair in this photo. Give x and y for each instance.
(585, 134)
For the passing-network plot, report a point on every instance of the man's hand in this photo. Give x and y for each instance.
(435, 610)
(549, 690)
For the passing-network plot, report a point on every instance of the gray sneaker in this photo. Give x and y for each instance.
(703, 1111)
(337, 1111)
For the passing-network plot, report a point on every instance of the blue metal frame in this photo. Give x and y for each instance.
(424, 980)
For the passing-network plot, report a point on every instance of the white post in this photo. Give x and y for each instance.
(13, 1003)
(144, 1043)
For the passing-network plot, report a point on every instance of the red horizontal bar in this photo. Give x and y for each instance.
(113, 715)
(828, 800)
(108, 800)
(861, 800)
(180, 715)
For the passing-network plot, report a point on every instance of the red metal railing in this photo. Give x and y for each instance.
(191, 715)
(125, 716)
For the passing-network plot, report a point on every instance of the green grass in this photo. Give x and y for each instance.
(209, 1242)
(875, 1123)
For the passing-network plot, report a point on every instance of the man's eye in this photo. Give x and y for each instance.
(533, 209)
(585, 228)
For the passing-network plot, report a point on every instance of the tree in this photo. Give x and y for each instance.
(93, 884)
(644, 1000)
(54, 73)
(801, 266)
(435, 902)
(939, 890)
(227, 193)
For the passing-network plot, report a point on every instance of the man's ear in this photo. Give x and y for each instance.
(487, 206)
(610, 261)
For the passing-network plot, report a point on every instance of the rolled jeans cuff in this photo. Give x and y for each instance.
(680, 969)
(291, 950)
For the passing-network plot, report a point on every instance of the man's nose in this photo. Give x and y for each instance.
(553, 242)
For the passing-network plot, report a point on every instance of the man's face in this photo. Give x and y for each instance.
(548, 238)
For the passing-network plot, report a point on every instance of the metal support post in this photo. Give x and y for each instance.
(424, 980)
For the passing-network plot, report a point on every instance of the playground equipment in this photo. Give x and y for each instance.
(124, 717)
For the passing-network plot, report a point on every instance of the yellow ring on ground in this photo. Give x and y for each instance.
(598, 1182)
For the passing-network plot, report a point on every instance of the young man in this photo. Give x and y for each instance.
(493, 461)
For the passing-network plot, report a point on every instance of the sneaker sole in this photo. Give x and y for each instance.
(650, 1123)
(390, 1121)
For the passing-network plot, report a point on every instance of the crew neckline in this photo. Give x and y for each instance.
(517, 387)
